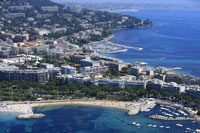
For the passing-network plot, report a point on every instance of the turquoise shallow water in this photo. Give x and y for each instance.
(88, 119)
(176, 37)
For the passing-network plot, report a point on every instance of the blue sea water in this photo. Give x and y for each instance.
(176, 37)
(89, 119)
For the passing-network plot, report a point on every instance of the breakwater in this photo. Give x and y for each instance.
(31, 116)
(160, 117)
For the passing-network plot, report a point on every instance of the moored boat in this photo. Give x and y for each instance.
(179, 125)
(134, 123)
(154, 126)
(150, 125)
(137, 125)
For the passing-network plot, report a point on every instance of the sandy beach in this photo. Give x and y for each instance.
(133, 108)
(100, 103)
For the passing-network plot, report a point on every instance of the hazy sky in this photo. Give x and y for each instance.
(172, 2)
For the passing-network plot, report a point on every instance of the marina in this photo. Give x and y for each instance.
(108, 47)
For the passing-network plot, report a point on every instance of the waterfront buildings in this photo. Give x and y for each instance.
(135, 84)
(173, 88)
(46, 65)
(154, 84)
(89, 62)
(141, 68)
(40, 76)
(193, 91)
(94, 69)
(68, 69)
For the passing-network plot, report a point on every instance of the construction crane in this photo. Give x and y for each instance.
(159, 60)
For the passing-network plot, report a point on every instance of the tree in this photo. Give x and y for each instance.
(165, 94)
(141, 92)
(187, 98)
(101, 95)
(154, 92)
(125, 69)
(197, 101)
(177, 96)
(198, 113)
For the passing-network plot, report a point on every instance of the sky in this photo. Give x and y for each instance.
(171, 2)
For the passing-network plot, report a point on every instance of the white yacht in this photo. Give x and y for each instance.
(162, 126)
(179, 125)
(137, 125)
(150, 125)
(154, 126)
(134, 123)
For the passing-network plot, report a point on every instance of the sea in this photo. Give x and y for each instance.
(175, 37)
(90, 119)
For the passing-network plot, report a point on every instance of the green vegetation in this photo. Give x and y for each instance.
(19, 91)
(114, 73)
(198, 113)
(57, 62)
(72, 21)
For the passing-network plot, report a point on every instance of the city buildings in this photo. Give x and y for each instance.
(68, 69)
(40, 76)
(49, 8)
(94, 69)
(89, 62)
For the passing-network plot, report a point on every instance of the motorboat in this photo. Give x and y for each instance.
(154, 126)
(134, 123)
(179, 125)
(137, 125)
(150, 125)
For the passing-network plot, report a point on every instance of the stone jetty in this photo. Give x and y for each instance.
(160, 117)
(31, 116)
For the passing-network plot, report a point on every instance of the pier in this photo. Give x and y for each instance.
(160, 117)
(24, 109)
(30, 114)
(124, 46)
(107, 47)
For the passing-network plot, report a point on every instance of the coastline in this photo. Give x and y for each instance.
(141, 27)
(97, 103)
(131, 108)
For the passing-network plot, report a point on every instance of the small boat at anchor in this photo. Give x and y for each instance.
(154, 126)
(179, 125)
(138, 125)
(150, 125)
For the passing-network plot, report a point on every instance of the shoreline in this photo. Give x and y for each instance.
(131, 108)
(97, 103)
